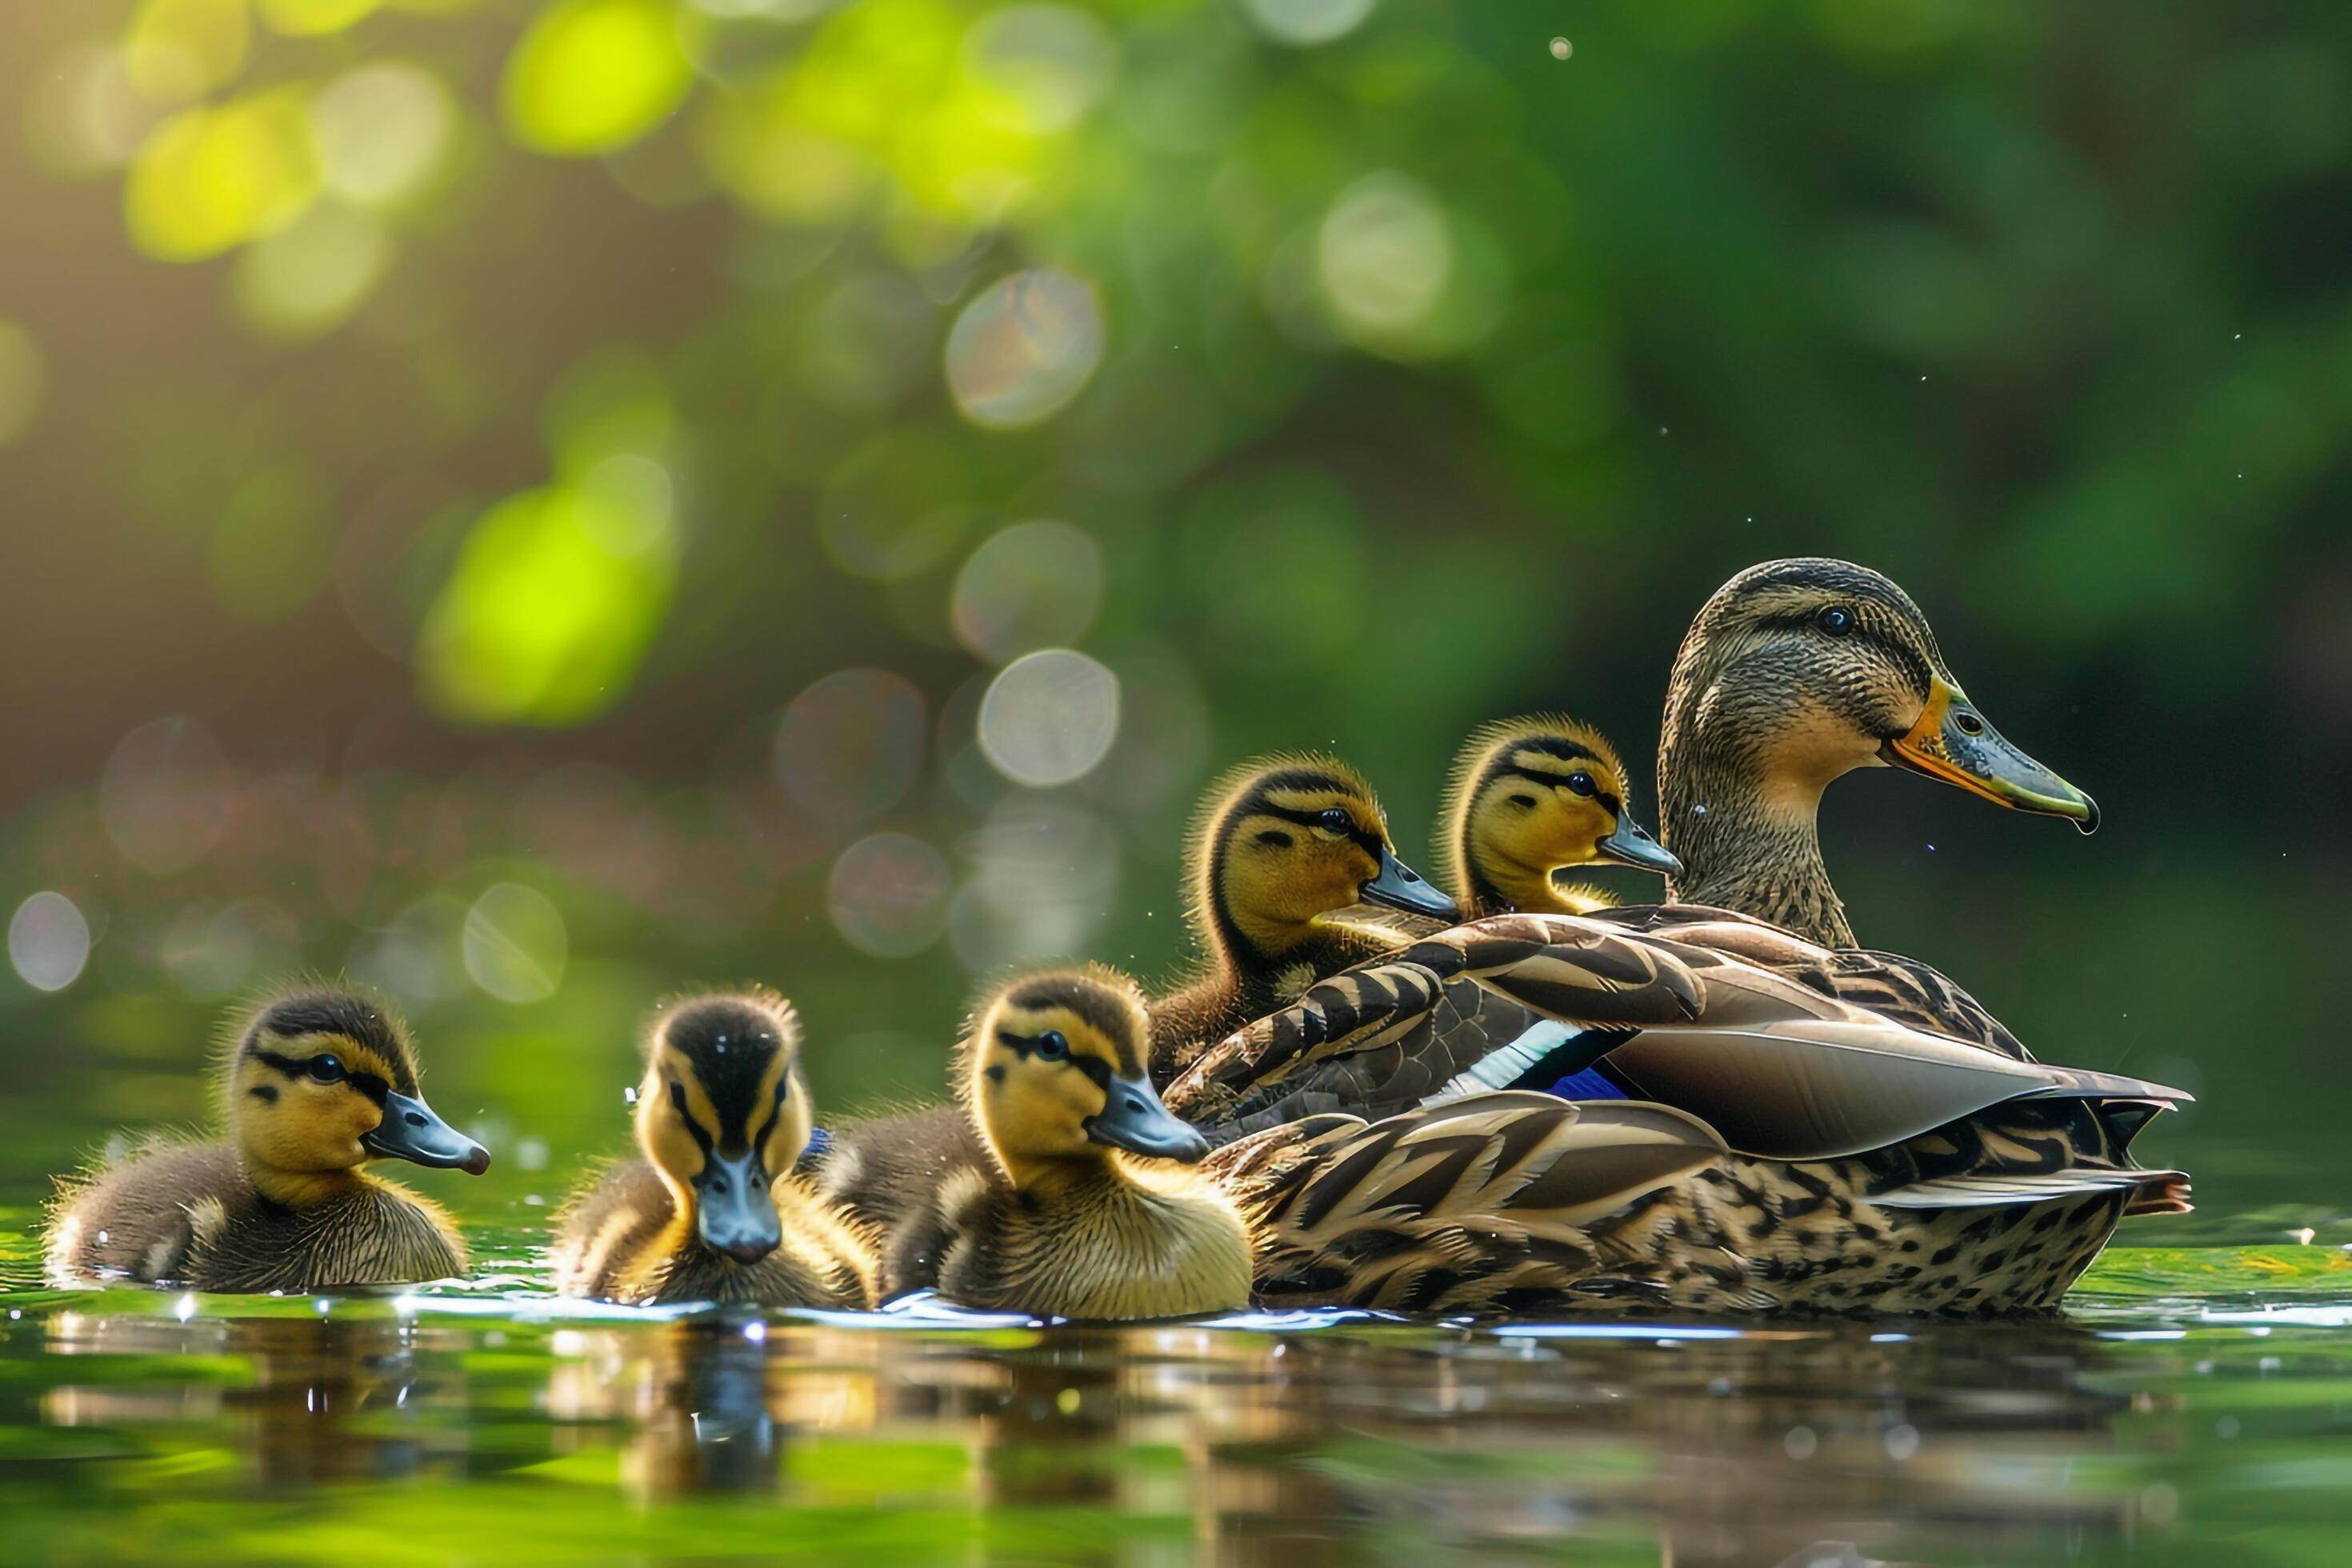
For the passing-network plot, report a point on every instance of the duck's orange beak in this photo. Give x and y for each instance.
(1956, 743)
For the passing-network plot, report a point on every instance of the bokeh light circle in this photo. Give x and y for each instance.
(849, 747)
(888, 895)
(1049, 717)
(1031, 586)
(382, 131)
(1384, 253)
(1020, 350)
(515, 943)
(1056, 60)
(212, 953)
(1045, 875)
(1307, 21)
(164, 796)
(304, 280)
(48, 941)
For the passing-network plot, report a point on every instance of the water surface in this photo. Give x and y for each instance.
(2194, 1408)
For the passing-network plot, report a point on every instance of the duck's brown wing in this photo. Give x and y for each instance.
(1482, 1206)
(1399, 1033)
(1781, 1068)
(1902, 990)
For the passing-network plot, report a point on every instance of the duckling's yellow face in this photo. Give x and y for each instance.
(1058, 1075)
(1287, 844)
(1534, 796)
(723, 1112)
(324, 1082)
(1800, 671)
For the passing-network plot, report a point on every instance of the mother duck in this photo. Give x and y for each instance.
(1945, 1171)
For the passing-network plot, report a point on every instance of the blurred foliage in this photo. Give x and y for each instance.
(609, 449)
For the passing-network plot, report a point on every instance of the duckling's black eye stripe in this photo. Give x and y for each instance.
(1531, 776)
(694, 1129)
(1093, 1066)
(1370, 842)
(367, 1083)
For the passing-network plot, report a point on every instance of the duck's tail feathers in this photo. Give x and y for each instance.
(2149, 1192)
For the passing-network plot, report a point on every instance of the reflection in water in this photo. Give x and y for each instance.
(1174, 1444)
(326, 1401)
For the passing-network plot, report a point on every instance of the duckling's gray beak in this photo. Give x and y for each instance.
(1955, 742)
(1631, 845)
(1133, 1119)
(1400, 887)
(733, 1212)
(410, 1131)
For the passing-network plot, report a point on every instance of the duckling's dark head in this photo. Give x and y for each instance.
(1283, 841)
(1056, 1073)
(323, 1079)
(1796, 671)
(1530, 796)
(723, 1110)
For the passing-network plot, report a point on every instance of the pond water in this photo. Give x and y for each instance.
(2194, 1408)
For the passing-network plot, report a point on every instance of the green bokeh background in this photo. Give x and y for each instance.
(475, 424)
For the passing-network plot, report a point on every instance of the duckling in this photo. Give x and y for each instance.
(1280, 848)
(316, 1081)
(1054, 1217)
(1530, 798)
(708, 1210)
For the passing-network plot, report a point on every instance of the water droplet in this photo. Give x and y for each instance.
(1699, 811)
(1561, 48)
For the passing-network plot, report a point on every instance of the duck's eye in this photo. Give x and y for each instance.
(327, 1067)
(1336, 821)
(1052, 1046)
(1837, 620)
(1579, 783)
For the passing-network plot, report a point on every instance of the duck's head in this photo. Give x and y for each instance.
(1055, 1073)
(322, 1079)
(1798, 670)
(723, 1110)
(1530, 797)
(1283, 841)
